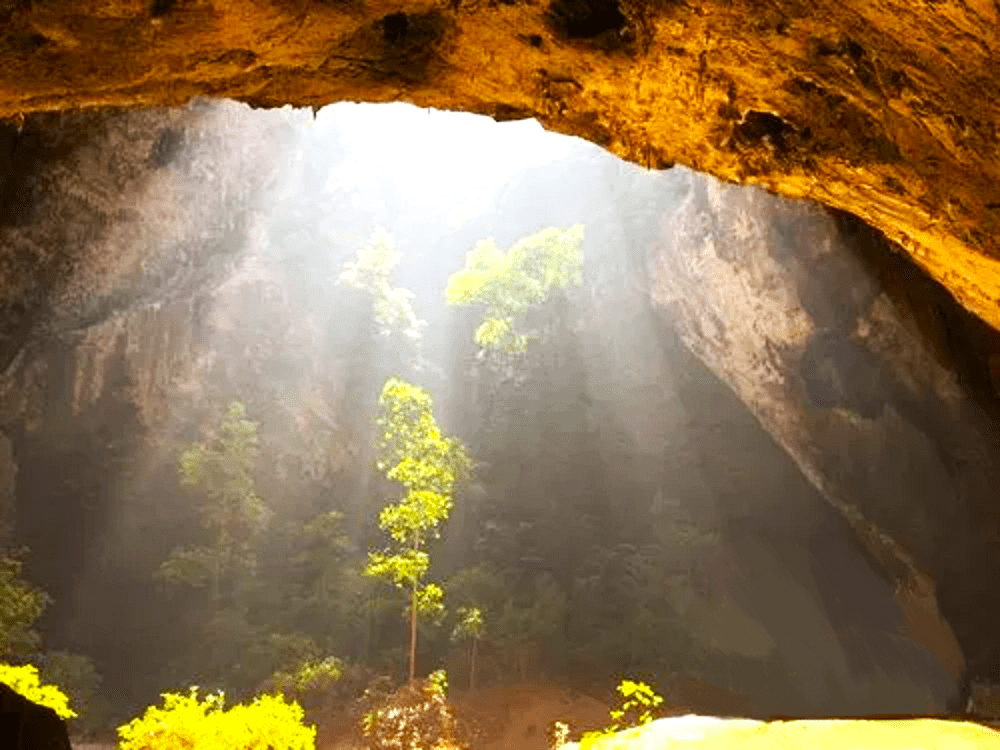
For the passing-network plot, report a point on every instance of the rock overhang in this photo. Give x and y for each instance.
(886, 110)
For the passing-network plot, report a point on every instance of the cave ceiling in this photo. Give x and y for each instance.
(887, 109)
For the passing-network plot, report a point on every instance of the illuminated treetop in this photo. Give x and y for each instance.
(371, 271)
(510, 283)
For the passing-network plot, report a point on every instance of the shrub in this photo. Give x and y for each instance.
(184, 722)
(416, 716)
(639, 701)
(20, 606)
(74, 673)
(24, 680)
(310, 675)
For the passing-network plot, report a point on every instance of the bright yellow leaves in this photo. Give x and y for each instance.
(371, 271)
(414, 453)
(184, 722)
(24, 680)
(509, 283)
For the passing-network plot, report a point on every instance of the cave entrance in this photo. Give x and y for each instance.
(710, 429)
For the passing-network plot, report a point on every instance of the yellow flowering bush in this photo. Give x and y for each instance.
(24, 680)
(184, 722)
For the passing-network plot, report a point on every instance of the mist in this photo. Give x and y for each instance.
(667, 480)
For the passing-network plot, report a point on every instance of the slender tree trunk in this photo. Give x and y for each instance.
(472, 666)
(413, 633)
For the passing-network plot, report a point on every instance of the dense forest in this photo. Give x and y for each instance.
(432, 420)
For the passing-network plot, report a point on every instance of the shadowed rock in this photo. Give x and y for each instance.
(25, 725)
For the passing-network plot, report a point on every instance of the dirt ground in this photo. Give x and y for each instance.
(501, 718)
(517, 718)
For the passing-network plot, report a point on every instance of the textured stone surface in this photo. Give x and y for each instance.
(804, 317)
(25, 725)
(887, 109)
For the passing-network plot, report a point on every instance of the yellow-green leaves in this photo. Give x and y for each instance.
(403, 569)
(20, 606)
(430, 601)
(413, 452)
(24, 680)
(222, 472)
(639, 702)
(639, 699)
(310, 674)
(469, 625)
(371, 272)
(418, 513)
(507, 284)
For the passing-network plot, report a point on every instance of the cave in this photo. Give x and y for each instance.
(785, 338)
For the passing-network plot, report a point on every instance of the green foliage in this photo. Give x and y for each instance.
(639, 702)
(545, 611)
(469, 625)
(76, 675)
(371, 272)
(184, 722)
(430, 601)
(311, 674)
(404, 568)
(438, 682)
(510, 283)
(412, 449)
(414, 453)
(231, 512)
(25, 680)
(20, 606)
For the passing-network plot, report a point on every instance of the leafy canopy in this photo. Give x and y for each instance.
(469, 624)
(310, 674)
(371, 272)
(413, 452)
(184, 722)
(231, 511)
(20, 606)
(24, 680)
(509, 283)
(76, 676)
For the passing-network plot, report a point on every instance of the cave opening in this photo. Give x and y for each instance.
(721, 442)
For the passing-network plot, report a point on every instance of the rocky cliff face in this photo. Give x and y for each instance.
(816, 325)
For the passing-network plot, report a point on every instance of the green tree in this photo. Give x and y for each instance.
(469, 628)
(413, 452)
(371, 272)
(523, 623)
(508, 284)
(77, 677)
(231, 511)
(20, 606)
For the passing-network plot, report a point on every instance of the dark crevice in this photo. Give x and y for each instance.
(168, 145)
(394, 27)
(585, 19)
(161, 7)
(763, 128)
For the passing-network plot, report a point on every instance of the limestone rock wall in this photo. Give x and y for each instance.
(801, 315)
